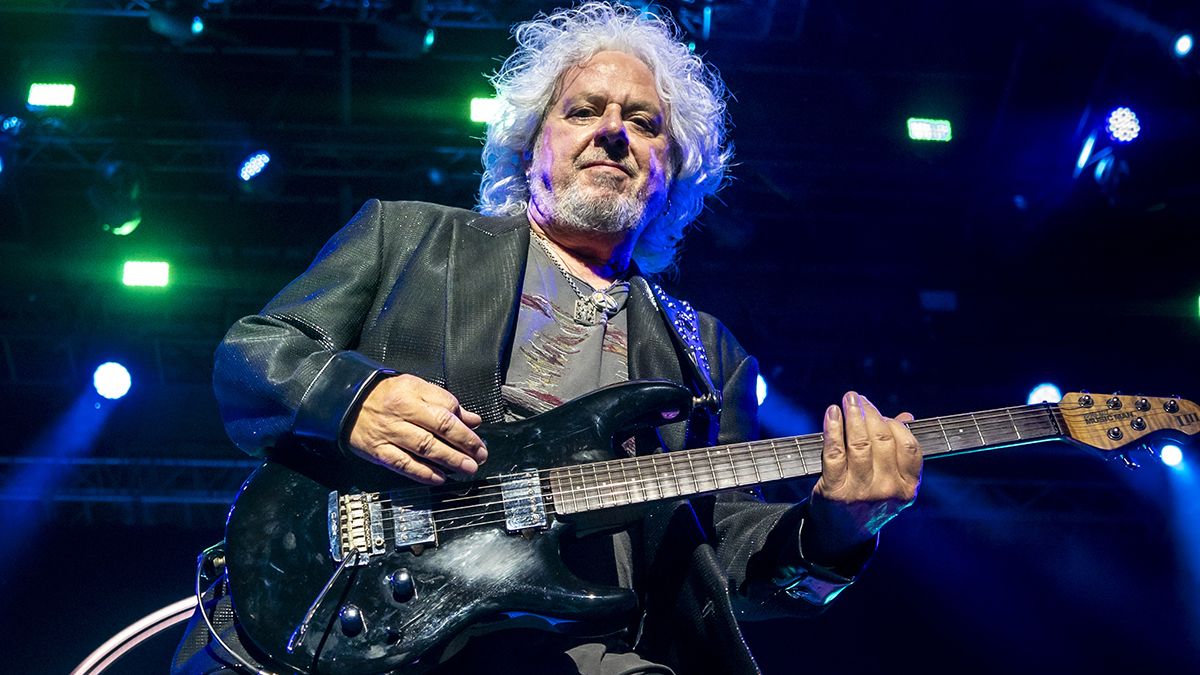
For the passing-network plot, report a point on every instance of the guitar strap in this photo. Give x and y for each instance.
(685, 330)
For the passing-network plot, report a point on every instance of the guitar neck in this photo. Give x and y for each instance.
(637, 480)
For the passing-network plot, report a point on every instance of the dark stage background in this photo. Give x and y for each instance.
(934, 277)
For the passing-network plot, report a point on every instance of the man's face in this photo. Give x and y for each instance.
(601, 161)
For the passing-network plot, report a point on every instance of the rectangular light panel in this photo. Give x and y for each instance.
(138, 273)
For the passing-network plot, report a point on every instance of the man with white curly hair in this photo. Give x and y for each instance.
(418, 322)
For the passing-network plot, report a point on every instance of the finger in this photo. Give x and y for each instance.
(446, 424)
(859, 466)
(904, 417)
(883, 442)
(426, 445)
(403, 463)
(909, 458)
(833, 454)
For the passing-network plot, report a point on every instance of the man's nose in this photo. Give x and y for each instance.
(611, 130)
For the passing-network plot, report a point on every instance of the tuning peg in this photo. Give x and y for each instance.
(1129, 463)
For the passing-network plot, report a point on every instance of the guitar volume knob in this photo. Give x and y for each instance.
(351, 620)
(401, 583)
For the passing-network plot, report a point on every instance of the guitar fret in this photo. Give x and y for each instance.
(1013, 422)
(978, 429)
(678, 488)
(692, 473)
(625, 483)
(775, 454)
(941, 426)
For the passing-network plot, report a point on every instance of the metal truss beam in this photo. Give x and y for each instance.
(145, 488)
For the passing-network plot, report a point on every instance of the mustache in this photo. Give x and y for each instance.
(625, 165)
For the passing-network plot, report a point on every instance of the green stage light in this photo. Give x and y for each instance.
(921, 129)
(141, 273)
(43, 95)
(483, 109)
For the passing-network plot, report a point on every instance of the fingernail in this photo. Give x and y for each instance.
(468, 465)
(852, 399)
(834, 413)
(481, 454)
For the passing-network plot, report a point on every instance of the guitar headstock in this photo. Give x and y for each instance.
(1116, 423)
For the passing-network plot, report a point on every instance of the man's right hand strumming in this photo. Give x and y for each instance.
(416, 429)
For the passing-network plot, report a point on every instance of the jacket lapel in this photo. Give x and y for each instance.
(487, 267)
(652, 354)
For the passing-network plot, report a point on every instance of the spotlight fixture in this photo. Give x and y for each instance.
(484, 109)
(254, 165)
(1171, 454)
(50, 95)
(1044, 393)
(111, 380)
(1122, 125)
(116, 197)
(1183, 44)
(921, 129)
(180, 21)
(145, 273)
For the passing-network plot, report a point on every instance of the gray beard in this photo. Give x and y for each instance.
(580, 212)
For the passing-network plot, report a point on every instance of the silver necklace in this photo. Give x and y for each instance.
(588, 305)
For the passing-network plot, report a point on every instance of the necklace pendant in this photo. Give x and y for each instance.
(585, 312)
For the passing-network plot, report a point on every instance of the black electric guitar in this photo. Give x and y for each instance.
(345, 567)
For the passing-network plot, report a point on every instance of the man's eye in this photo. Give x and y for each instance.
(581, 112)
(646, 124)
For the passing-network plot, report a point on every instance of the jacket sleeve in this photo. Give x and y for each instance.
(290, 373)
(758, 543)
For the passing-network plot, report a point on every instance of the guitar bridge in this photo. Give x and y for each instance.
(524, 507)
(355, 524)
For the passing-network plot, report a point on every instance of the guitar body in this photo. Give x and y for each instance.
(407, 603)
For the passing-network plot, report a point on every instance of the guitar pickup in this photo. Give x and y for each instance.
(413, 526)
(355, 525)
(524, 507)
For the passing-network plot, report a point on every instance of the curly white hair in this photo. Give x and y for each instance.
(692, 91)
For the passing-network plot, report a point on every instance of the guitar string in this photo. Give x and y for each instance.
(742, 459)
(1001, 420)
(735, 459)
(990, 423)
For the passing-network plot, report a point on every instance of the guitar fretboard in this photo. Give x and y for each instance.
(637, 480)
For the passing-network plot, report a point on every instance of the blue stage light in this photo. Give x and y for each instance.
(197, 25)
(1044, 393)
(1184, 44)
(111, 380)
(761, 389)
(254, 165)
(1171, 455)
(1122, 125)
(1086, 153)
